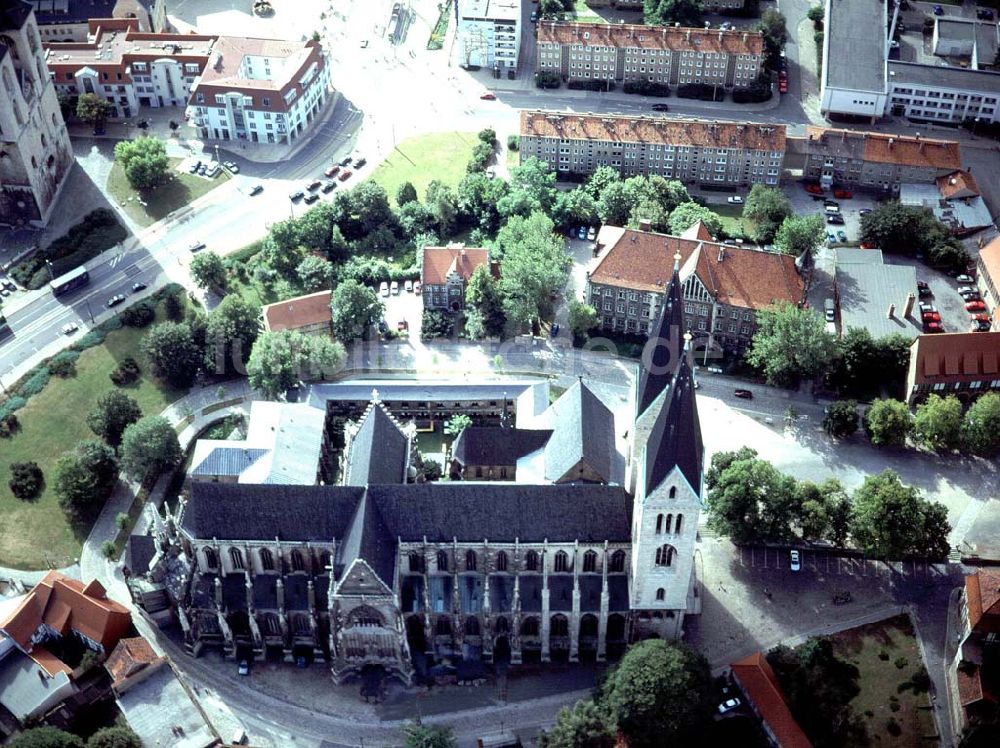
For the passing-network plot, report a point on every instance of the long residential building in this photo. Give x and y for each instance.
(655, 54)
(693, 151)
(723, 285)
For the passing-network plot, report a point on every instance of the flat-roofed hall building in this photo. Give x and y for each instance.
(489, 33)
(655, 54)
(693, 151)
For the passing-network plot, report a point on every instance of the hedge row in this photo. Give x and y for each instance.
(753, 94)
(702, 91)
(591, 85)
(647, 88)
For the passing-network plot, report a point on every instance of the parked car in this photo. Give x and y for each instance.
(814, 189)
(359, 161)
(196, 246)
(728, 705)
(383, 289)
(328, 186)
(394, 288)
(534, 16)
(735, 200)
(783, 85)
(311, 198)
(933, 327)
(9, 284)
(938, 10)
(137, 287)
(581, 233)
(408, 286)
(194, 167)
(314, 185)
(864, 211)
(660, 108)
(965, 279)
(925, 307)
(975, 306)
(980, 317)
(843, 194)
(931, 317)
(971, 296)
(591, 234)
(346, 161)
(842, 236)
(243, 668)
(402, 325)
(345, 175)
(232, 166)
(868, 245)
(835, 219)
(979, 326)
(115, 300)
(256, 189)
(331, 171)
(296, 195)
(417, 288)
(831, 237)
(984, 14)
(488, 96)
(922, 284)
(202, 169)
(795, 561)
(744, 394)
(70, 327)
(831, 207)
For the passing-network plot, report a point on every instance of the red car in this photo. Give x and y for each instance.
(331, 170)
(488, 97)
(402, 325)
(814, 189)
(933, 327)
(344, 175)
(931, 317)
(868, 245)
(783, 85)
(979, 317)
(843, 194)
(975, 306)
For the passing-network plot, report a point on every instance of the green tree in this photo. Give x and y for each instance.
(428, 736)
(767, 207)
(171, 349)
(405, 193)
(478, 198)
(457, 424)
(114, 737)
(315, 228)
(320, 357)
(208, 271)
(823, 511)
(888, 423)
(232, 328)
(981, 426)
(415, 219)
(582, 725)
(685, 215)
(815, 14)
(614, 206)
(573, 207)
(535, 265)
(113, 413)
(273, 365)
(749, 500)
(599, 180)
(535, 180)
(315, 273)
(443, 205)
(45, 737)
(150, 447)
(144, 161)
(772, 24)
(582, 318)
(671, 12)
(26, 480)
(790, 344)
(484, 306)
(938, 424)
(800, 233)
(92, 109)
(85, 477)
(841, 419)
(353, 308)
(893, 521)
(659, 695)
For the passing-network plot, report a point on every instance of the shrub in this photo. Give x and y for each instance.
(436, 324)
(36, 382)
(883, 655)
(591, 85)
(893, 727)
(921, 680)
(108, 550)
(646, 88)
(9, 426)
(121, 520)
(8, 407)
(901, 662)
(894, 706)
(547, 80)
(139, 315)
(702, 91)
(513, 142)
(173, 308)
(90, 340)
(755, 93)
(869, 713)
(127, 372)
(64, 364)
(26, 480)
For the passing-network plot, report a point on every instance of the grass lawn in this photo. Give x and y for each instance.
(879, 680)
(424, 158)
(34, 534)
(176, 193)
(732, 219)
(585, 14)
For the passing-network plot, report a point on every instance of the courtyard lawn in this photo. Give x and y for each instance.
(583, 13)
(182, 189)
(36, 534)
(880, 679)
(422, 159)
(732, 219)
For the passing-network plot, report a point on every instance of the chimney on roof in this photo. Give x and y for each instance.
(644, 224)
(908, 306)
(891, 143)
(687, 37)
(722, 252)
(745, 37)
(921, 146)
(892, 310)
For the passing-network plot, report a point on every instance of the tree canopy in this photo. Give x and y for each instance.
(790, 344)
(144, 161)
(981, 426)
(669, 12)
(800, 233)
(428, 736)
(749, 500)
(114, 737)
(280, 360)
(208, 271)
(171, 349)
(582, 725)
(534, 266)
(685, 215)
(767, 207)
(85, 477)
(353, 308)
(92, 109)
(893, 521)
(150, 447)
(114, 411)
(484, 306)
(841, 418)
(45, 737)
(582, 318)
(232, 328)
(315, 273)
(938, 424)
(888, 423)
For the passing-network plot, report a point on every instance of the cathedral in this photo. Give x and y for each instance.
(562, 534)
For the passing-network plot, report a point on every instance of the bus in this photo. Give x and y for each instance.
(70, 281)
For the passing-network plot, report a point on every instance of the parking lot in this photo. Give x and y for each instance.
(804, 203)
(944, 294)
(404, 306)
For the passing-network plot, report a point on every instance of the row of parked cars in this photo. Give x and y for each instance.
(326, 185)
(386, 289)
(979, 318)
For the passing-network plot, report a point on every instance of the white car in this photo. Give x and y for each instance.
(70, 327)
(591, 234)
(408, 286)
(965, 279)
(728, 705)
(394, 288)
(383, 289)
(796, 561)
(196, 246)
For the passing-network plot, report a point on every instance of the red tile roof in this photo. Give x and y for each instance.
(129, 657)
(955, 357)
(302, 311)
(760, 684)
(65, 604)
(989, 259)
(958, 184)
(440, 262)
(906, 151)
(737, 276)
(970, 684)
(49, 662)
(982, 600)
(637, 36)
(653, 130)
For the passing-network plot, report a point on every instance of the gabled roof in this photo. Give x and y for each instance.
(66, 604)
(989, 260)
(982, 599)
(957, 185)
(636, 36)
(302, 311)
(760, 684)
(226, 460)
(440, 262)
(369, 540)
(675, 439)
(129, 657)
(583, 429)
(490, 445)
(665, 337)
(379, 451)
(14, 14)
(955, 357)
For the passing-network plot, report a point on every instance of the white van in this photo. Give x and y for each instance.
(239, 737)
(831, 310)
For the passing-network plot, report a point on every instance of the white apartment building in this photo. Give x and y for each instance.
(35, 152)
(69, 20)
(660, 54)
(261, 90)
(489, 33)
(693, 151)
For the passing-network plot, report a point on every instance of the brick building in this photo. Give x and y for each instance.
(309, 314)
(971, 677)
(693, 151)
(965, 364)
(444, 271)
(655, 54)
(988, 274)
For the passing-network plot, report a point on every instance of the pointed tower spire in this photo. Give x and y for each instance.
(663, 348)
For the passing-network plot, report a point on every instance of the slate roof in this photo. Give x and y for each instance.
(488, 445)
(265, 591)
(582, 429)
(230, 511)
(666, 338)
(228, 461)
(378, 452)
(72, 11)
(139, 553)
(368, 539)
(14, 14)
(675, 439)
